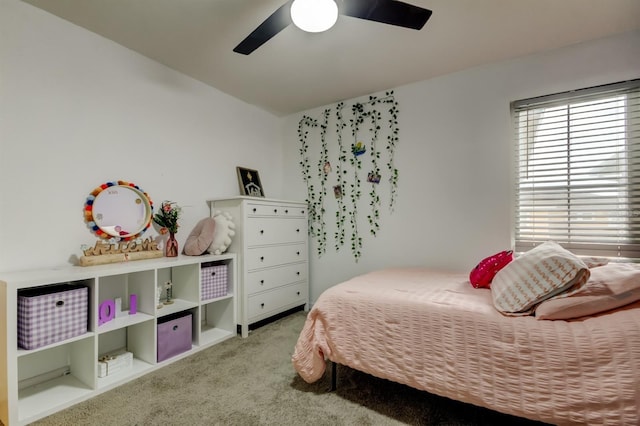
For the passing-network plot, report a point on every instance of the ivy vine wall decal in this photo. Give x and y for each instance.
(337, 171)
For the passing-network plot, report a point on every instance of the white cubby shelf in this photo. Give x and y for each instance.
(36, 383)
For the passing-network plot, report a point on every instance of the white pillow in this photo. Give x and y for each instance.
(543, 272)
(223, 234)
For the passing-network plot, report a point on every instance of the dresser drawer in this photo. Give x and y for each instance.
(266, 257)
(265, 304)
(276, 210)
(263, 231)
(271, 278)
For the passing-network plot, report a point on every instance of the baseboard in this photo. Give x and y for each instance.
(269, 320)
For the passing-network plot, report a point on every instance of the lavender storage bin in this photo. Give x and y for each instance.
(51, 314)
(174, 335)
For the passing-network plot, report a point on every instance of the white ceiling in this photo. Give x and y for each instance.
(295, 71)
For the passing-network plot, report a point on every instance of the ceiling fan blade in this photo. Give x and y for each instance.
(390, 12)
(278, 21)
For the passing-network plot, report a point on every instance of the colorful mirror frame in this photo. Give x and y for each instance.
(119, 210)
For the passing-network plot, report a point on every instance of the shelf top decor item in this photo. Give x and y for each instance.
(167, 217)
(118, 212)
(249, 182)
(118, 209)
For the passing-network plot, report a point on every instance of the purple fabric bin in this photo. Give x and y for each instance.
(174, 335)
(51, 314)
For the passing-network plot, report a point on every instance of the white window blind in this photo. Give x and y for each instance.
(578, 170)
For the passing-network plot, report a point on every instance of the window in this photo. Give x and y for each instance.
(578, 170)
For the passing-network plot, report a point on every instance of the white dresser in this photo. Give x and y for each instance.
(272, 245)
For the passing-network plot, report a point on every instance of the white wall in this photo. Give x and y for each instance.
(77, 110)
(455, 158)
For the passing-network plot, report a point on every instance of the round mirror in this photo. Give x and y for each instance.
(118, 209)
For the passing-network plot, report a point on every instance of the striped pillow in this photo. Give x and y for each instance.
(543, 272)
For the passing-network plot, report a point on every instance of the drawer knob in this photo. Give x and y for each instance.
(298, 293)
(254, 209)
(261, 282)
(261, 258)
(261, 231)
(298, 273)
(298, 230)
(275, 210)
(175, 327)
(298, 253)
(262, 305)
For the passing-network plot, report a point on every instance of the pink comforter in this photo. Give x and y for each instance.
(431, 330)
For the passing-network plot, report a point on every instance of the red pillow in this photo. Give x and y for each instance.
(482, 275)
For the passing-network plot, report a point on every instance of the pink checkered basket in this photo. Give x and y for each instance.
(214, 280)
(50, 314)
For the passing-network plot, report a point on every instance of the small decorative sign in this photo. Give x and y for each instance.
(106, 247)
(112, 308)
(119, 251)
(249, 182)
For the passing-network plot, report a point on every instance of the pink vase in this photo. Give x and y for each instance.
(171, 248)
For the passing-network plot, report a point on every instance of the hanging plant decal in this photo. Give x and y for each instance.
(392, 141)
(367, 124)
(303, 133)
(341, 211)
(374, 175)
(323, 173)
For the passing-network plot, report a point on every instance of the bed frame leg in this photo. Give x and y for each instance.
(334, 376)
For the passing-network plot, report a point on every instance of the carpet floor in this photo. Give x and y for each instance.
(252, 382)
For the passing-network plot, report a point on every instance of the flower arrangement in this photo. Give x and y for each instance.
(167, 217)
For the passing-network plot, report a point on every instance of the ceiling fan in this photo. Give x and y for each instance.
(390, 12)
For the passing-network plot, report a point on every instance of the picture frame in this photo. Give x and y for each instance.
(249, 182)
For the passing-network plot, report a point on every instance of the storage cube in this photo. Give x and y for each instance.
(213, 280)
(50, 314)
(174, 335)
(114, 362)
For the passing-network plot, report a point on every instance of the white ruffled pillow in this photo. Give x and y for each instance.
(224, 232)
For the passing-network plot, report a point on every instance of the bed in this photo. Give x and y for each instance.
(433, 331)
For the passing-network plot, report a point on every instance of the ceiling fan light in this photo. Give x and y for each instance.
(314, 16)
